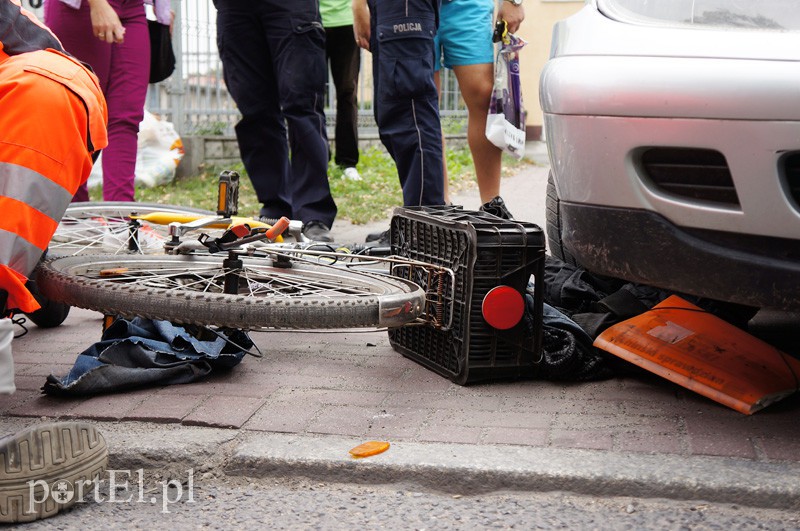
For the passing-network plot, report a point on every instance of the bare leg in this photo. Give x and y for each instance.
(475, 82)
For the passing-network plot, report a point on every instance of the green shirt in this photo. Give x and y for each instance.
(336, 13)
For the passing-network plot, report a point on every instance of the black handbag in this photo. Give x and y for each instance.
(162, 58)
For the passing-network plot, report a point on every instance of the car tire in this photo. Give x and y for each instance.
(554, 229)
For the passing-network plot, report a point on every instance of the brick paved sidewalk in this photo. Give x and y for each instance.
(352, 383)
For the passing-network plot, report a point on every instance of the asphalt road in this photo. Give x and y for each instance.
(218, 503)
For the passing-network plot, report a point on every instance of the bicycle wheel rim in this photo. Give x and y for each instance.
(102, 227)
(187, 290)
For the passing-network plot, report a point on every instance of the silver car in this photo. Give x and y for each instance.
(673, 130)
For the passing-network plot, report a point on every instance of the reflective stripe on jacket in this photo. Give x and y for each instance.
(52, 118)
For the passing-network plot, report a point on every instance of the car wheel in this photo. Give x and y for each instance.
(554, 229)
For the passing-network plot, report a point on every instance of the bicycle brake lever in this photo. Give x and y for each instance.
(208, 243)
(228, 237)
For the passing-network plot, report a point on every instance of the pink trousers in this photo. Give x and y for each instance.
(123, 70)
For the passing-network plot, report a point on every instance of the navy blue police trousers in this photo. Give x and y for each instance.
(273, 55)
(406, 101)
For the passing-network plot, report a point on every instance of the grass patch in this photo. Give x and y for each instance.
(360, 202)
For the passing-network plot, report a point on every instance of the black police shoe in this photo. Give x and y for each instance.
(380, 238)
(317, 231)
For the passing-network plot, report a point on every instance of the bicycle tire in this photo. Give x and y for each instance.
(102, 227)
(187, 290)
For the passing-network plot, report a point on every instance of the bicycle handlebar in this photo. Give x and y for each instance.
(277, 228)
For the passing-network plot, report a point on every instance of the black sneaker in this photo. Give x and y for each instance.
(380, 238)
(496, 207)
(317, 231)
(41, 468)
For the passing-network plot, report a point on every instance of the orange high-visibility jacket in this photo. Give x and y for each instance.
(52, 118)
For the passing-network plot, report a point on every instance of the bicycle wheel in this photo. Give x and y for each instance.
(103, 227)
(189, 290)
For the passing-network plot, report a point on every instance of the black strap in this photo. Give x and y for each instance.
(622, 303)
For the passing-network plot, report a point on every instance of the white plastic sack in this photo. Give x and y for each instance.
(159, 151)
(505, 123)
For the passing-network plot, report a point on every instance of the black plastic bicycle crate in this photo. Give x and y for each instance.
(483, 251)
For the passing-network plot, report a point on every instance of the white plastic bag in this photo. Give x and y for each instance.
(505, 123)
(159, 151)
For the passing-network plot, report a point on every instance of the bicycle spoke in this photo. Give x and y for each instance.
(93, 233)
(207, 280)
(105, 227)
(278, 284)
(264, 281)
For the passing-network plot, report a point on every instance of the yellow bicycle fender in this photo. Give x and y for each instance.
(165, 218)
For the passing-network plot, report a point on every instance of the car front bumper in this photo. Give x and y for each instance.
(644, 247)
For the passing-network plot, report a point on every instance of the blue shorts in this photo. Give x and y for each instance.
(465, 33)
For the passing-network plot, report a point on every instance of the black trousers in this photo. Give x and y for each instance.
(273, 56)
(344, 59)
(406, 101)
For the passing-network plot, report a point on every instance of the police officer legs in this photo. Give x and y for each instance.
(273, 53)
(406, 101)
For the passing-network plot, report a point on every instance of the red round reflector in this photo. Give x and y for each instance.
(503, 307)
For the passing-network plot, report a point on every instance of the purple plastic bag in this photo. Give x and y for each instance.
(505, 124)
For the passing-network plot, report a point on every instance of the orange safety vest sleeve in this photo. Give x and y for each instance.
(52, 117)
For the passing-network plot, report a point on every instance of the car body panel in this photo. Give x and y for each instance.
(613, 90)
(589, 32)
(582, 146)
(697, 87)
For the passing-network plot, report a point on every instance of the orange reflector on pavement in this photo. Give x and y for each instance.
(503, 307)
(369, 448)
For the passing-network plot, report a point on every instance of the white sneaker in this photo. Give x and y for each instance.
(352, 174)
(47, 468)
